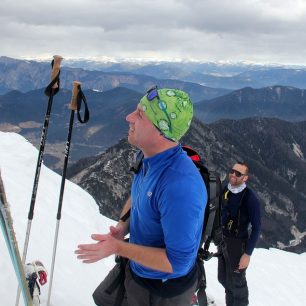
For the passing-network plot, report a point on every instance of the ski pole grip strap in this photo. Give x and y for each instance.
(54, 86)
(76, 102)
(81, 97)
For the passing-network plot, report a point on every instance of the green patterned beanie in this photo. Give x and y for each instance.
(170, 110)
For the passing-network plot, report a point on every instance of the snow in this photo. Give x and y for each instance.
(297, 150)
(275, 277)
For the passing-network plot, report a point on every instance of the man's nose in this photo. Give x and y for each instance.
(129, 117)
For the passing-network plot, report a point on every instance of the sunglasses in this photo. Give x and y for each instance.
(151, 95)
(237, 173)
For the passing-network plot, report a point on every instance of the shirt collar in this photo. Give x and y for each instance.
(161, 158)
(236, 189)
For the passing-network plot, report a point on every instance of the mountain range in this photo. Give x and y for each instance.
(24, 113)
(25, 76)
(283, 102)
(271, 147)
(201, 80)
(219, 75)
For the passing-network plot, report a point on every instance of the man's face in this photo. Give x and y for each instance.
(142, 132)
(237, 175)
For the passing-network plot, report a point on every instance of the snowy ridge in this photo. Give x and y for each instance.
(275, 277)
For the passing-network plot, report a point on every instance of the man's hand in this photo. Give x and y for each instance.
(93, 252)
(117, 232)
(106, 245)
(244, 261)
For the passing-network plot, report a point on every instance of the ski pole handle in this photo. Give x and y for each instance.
(57, 59)
(74, 99)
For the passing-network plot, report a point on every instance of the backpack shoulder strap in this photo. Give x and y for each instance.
(213, 203)
(245, 192)
(213, 227)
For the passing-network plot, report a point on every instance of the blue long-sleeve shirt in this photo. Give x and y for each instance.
(250, 217)
(168, 200)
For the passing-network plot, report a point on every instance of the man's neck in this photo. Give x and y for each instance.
(159, 147)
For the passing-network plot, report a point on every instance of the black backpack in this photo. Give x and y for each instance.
(212, 230)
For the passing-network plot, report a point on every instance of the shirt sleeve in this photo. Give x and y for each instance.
(255, 220)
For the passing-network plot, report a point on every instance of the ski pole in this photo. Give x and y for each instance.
(75, 105)
(51, 90)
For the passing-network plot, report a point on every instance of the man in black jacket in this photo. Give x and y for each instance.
(241, 223)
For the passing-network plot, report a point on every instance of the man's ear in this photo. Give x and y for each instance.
(245, 178)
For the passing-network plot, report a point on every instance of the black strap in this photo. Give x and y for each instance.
(202, 297)
(53, 91)
(201, 293)
(213, 203)
(240, 204)
(81, 98)
(213, 227)
(126, 215)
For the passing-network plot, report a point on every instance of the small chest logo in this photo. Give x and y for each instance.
(149, 194)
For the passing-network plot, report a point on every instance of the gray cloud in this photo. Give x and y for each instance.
(256, 30)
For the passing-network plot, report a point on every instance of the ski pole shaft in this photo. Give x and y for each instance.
(73, 107)
(55, 71)
(51, 90)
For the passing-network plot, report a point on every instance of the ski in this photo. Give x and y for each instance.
(12, 246)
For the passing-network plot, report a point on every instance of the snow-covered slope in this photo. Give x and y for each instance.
(73, 281)
(275, 277)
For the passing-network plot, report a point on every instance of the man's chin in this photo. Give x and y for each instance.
(233, 183)
(130, 140)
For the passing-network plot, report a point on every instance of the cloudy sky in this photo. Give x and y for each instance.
(262, 31)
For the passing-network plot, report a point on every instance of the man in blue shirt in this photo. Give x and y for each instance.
(241, 222)
(167, 204)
